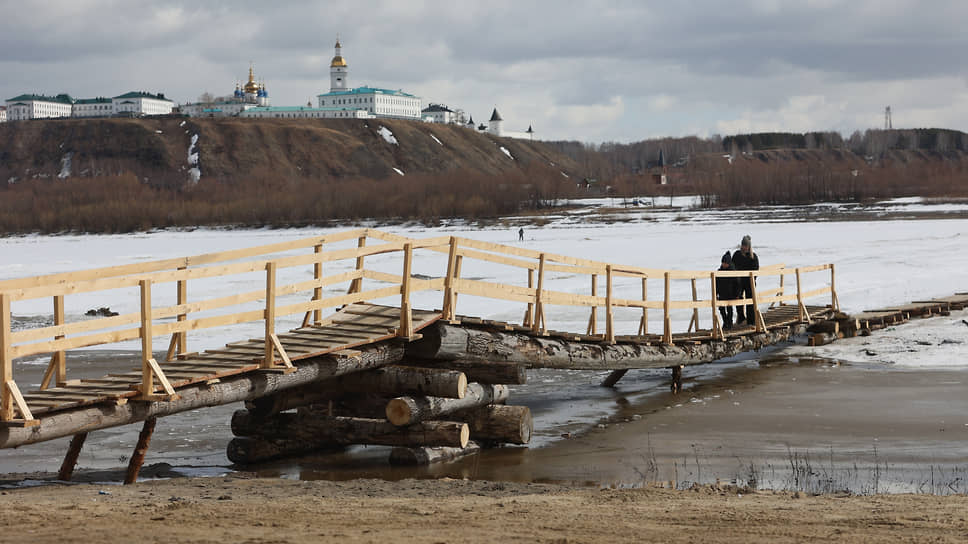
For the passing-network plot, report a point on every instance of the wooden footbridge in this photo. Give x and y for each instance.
(374, 346)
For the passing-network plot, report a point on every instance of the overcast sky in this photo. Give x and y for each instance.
(589, 71)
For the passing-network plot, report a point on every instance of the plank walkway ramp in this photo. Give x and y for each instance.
(354, 326)
(366, 281)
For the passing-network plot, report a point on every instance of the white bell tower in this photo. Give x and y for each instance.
(338, 71)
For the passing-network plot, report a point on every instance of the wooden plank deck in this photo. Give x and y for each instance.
(353, 326)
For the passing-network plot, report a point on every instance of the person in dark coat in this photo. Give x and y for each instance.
(745, 259)
(726, 289)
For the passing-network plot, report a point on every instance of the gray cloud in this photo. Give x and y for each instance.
(594, 70)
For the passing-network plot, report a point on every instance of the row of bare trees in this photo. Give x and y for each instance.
(124, 203)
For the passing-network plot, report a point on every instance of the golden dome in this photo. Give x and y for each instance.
(338, 62)
(251, 86)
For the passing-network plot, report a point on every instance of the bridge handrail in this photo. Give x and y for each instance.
(269, 259)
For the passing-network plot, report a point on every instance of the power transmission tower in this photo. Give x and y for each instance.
(887, 119)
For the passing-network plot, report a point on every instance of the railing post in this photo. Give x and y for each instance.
(448, 308)
(666, 317)
(644, 322)
(537, 319)
(695, 311)
(717, 328)
(757, 317)
(457, 266)
(270, 314)
(609, 329)
(58, 360)
(801, 309)
(593, 318)
(529, 312)
(357, 284)
(834, 301)
(182, 297)
(318, 290)
(6, 360)
(406, 318)
(147, 373)
(782, 275)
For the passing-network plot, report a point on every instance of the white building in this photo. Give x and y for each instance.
(440, 113)
(305, 112)
(495, 126)
(376, 102)
(37, 106)
(3, 114)
(92, 107)
(141, 103)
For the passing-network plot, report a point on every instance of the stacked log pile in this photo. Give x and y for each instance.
(427, 414)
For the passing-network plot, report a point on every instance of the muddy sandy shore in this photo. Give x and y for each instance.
(234, 509)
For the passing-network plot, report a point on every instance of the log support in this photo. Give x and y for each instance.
(676, 385)
(140, 450)
(613, 377)
(70, 460)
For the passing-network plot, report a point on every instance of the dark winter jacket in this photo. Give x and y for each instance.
(742, 262)
(727, 288)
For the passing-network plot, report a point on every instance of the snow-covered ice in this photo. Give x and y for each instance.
(878, 263)
(387, 135)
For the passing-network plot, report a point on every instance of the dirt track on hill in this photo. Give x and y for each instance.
(221, 510)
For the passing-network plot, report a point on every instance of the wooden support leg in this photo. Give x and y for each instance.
(70, 460)
(138, 457)
(614, 377)
(676, 379)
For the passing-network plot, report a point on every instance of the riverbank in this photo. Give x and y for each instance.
(275, 510)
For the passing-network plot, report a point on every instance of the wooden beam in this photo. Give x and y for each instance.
(6, 359)
(70, 460)
(666, 318)
(147, 371)
(231, 389)
(613, 377)
(406, 315)
(593, 317)
(318, 290)
(446, 343)
(404, 411)
(270, 316)
(357, 284)
(609, 323)
(140, 450)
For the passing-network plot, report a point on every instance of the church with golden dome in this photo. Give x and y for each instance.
(365, 101)
(245, 97)
(252, 92)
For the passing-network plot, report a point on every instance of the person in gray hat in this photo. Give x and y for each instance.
(745, 259)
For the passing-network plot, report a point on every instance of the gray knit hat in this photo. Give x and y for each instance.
(747, 241)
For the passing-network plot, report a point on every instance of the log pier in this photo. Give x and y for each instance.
(431, 384)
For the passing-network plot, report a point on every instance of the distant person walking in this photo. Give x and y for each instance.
(726, 289)
(521, 234)
(745, 259)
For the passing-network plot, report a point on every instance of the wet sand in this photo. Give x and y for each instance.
(220, 510)
(809, 425)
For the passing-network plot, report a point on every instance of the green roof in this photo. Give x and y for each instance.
(61, 98)
(142, 94)
(368, 90)
(98, 100)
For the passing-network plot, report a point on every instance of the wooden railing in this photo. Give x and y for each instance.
(184, 316)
